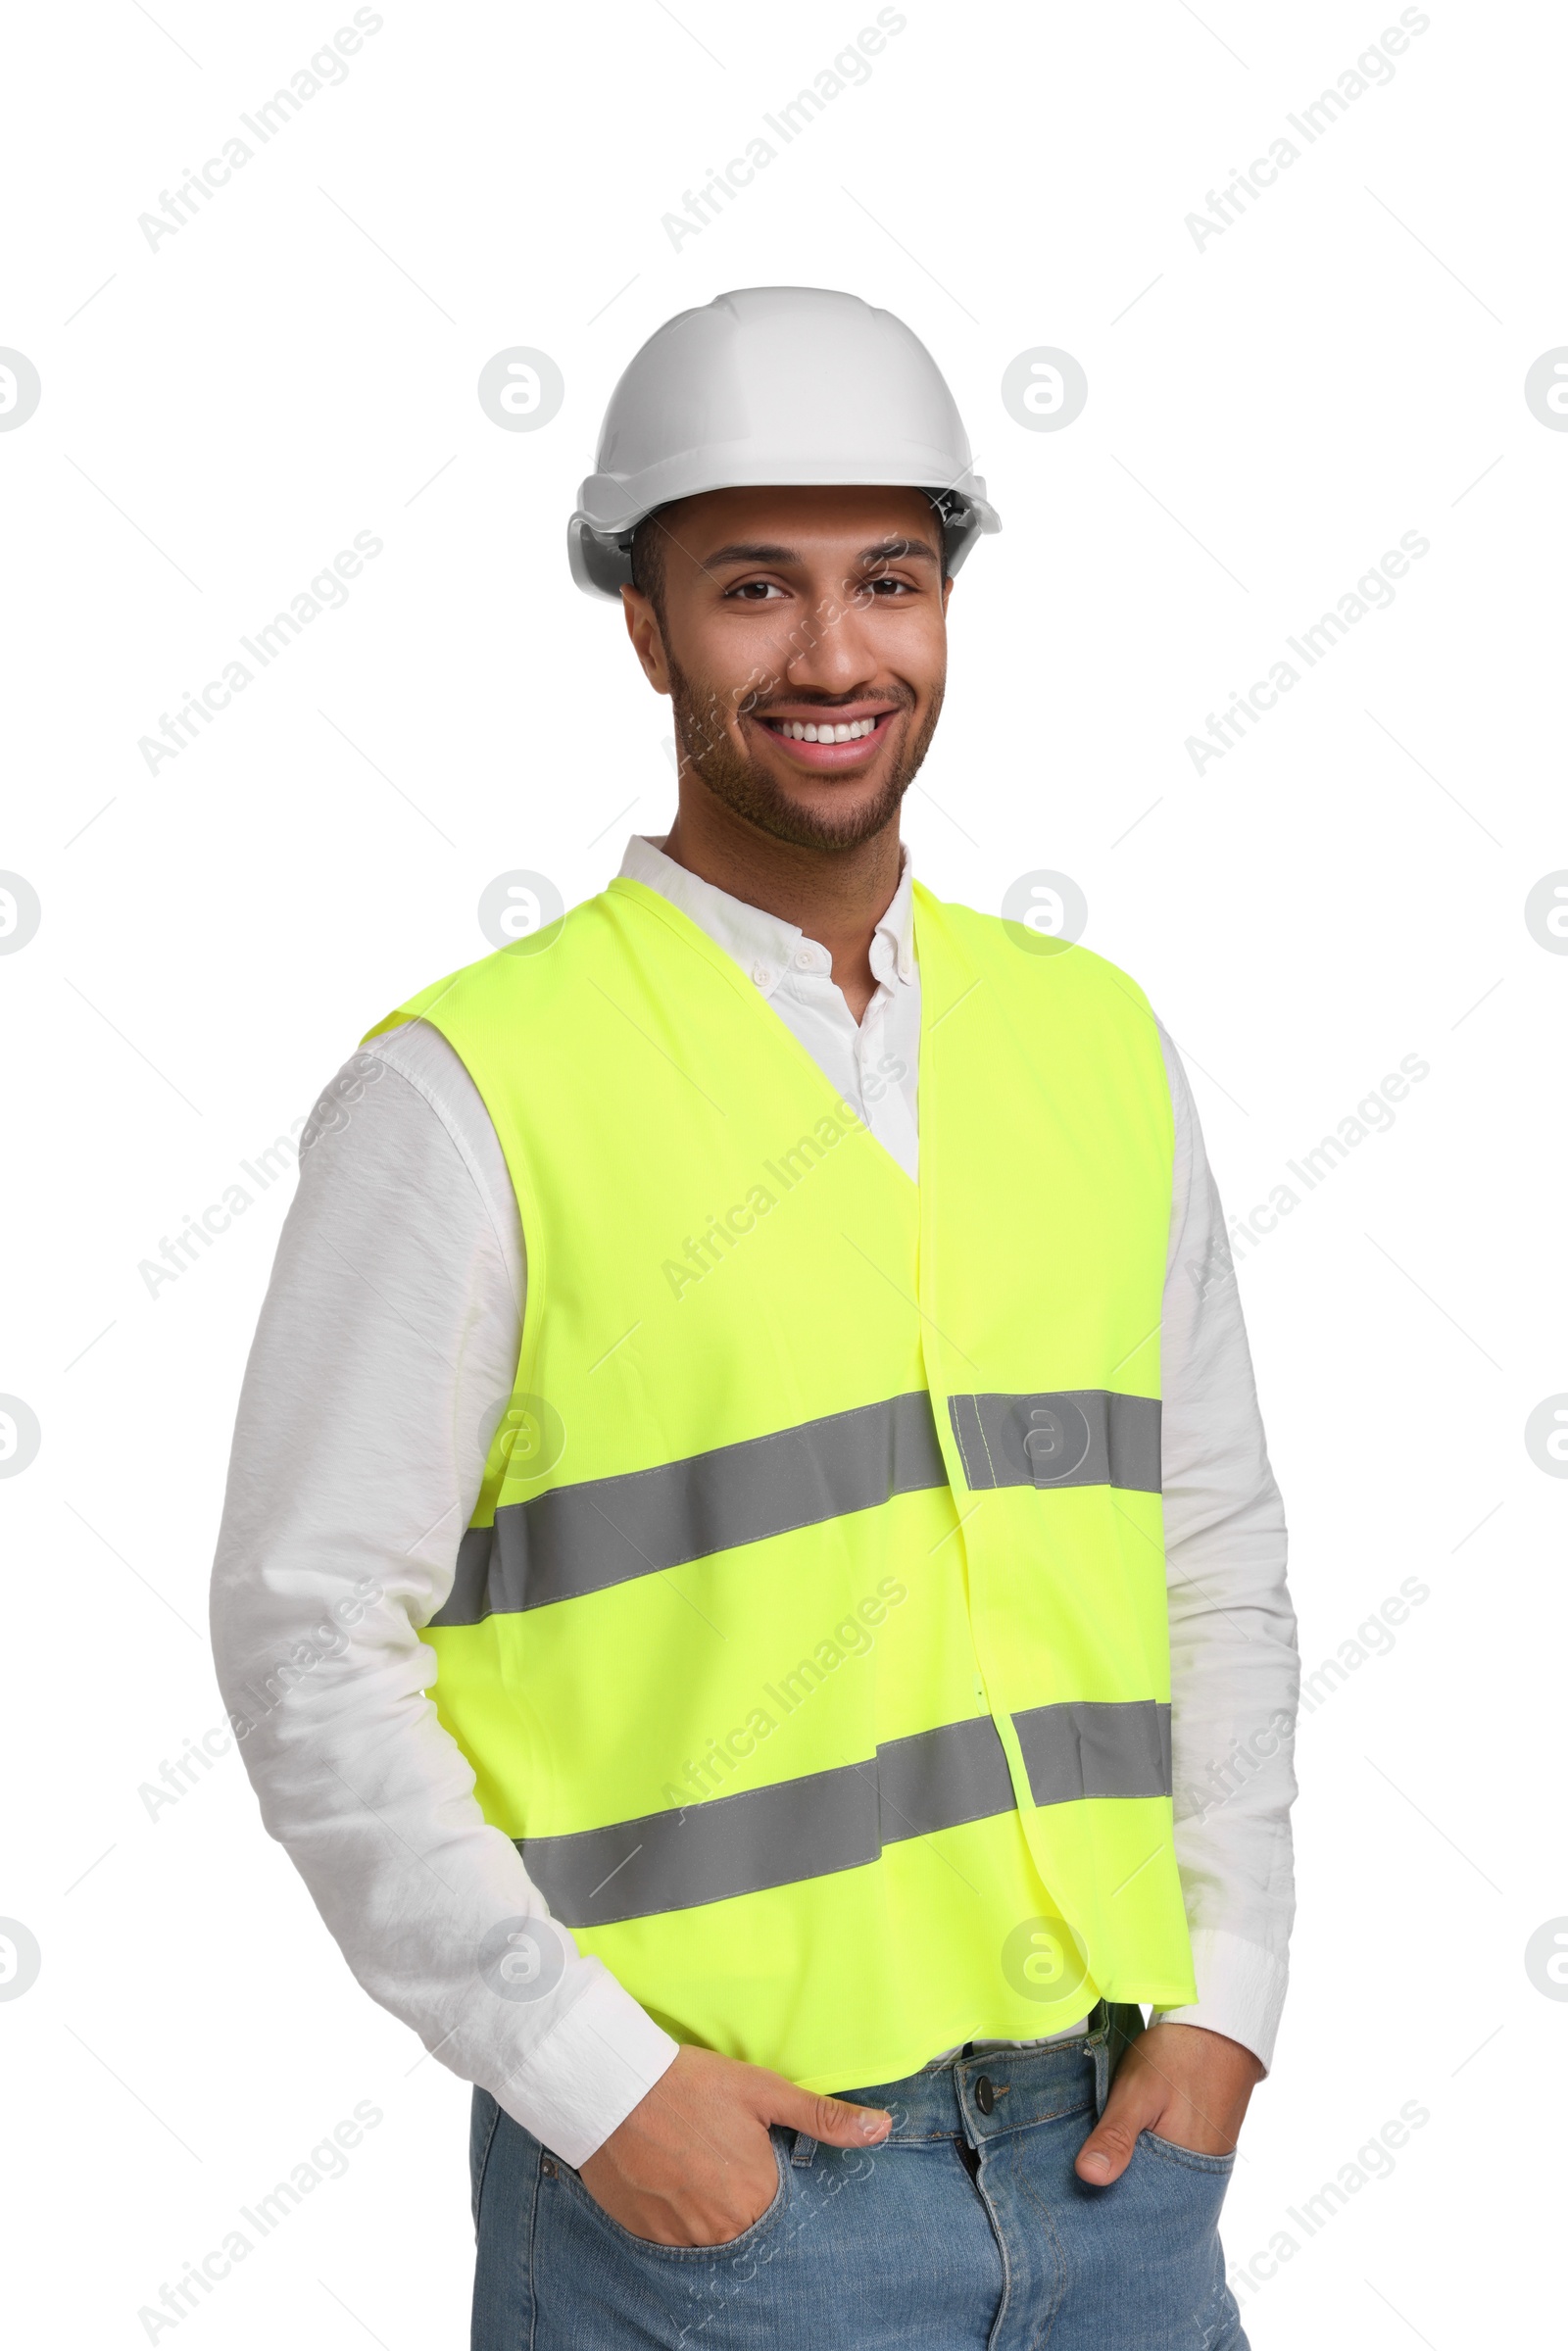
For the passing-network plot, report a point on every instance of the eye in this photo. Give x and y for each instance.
(754, 591)
(885, 586)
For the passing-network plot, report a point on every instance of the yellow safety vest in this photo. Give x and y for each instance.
(810, 1637)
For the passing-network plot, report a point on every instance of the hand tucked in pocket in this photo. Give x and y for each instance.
(693, 2163)
(1181, 2082)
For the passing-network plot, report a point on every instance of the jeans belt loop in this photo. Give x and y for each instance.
(1101, 2053)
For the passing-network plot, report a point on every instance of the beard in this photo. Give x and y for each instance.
(751, 792)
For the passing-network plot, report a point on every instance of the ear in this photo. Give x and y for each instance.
(648, 642)
(946, 591)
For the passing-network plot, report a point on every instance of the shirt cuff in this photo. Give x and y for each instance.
(583, 2082)
(1240, 1991)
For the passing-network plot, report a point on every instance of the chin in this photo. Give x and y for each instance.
(830, 818)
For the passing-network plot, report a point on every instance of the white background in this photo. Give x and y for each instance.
(222, 415)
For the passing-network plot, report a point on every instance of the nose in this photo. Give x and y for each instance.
(836, 657)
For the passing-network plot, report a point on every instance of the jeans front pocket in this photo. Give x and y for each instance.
(1170, 2150)
(731, 2245)
(1173, 2219)
(598, 2286)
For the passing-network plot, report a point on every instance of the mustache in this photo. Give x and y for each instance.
(753, 707)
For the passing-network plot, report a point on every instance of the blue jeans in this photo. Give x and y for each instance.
(967, 2230)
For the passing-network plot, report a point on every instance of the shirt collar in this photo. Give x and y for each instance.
(763, 945)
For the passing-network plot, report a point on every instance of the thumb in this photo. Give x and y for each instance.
(833, 2121)
(1108, 2149)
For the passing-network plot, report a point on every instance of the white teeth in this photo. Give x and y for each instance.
(803, 731)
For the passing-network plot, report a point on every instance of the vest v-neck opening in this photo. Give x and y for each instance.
(686, 928)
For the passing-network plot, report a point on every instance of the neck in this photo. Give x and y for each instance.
(836, 896)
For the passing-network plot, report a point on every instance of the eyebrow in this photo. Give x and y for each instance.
(759, 551)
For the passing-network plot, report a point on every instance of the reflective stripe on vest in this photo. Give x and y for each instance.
(822, 1647)
(842, 1819)
(579, 1538)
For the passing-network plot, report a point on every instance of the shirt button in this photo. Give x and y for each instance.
(760, 974)
(805, 960)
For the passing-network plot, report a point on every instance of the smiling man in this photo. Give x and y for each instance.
(763, 1349)
(805, 690)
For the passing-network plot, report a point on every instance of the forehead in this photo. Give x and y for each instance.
(835, 522)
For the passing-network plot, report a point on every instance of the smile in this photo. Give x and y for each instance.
(799, 732)
(828, 742)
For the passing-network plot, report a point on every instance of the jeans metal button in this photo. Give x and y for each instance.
(985, 2098)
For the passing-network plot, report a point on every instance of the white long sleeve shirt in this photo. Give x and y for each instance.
(382, 1364)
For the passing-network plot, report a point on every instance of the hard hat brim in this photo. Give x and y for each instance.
(599, 549)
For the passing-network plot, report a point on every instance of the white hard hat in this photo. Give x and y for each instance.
(789, 385)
